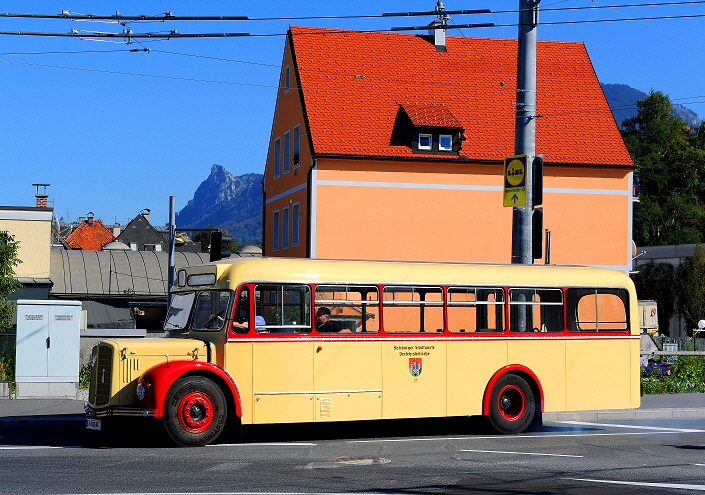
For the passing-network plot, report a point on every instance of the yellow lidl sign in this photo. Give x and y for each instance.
(515, 180)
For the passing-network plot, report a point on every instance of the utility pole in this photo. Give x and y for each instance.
(525, 128)
(172, 247)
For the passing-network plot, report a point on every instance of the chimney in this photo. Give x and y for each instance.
(145, 213)
(41, 197)
(89, 218)
(116, 230)
(438, 32)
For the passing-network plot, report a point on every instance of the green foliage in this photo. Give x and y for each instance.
(7, 361)
(8, 284)
(687, 376)
(670, 161)
(690, 281)
(84, 377)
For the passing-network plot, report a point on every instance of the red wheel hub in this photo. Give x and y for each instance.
(195, 412)
(511, 403)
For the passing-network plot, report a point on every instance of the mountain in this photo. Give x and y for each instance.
(231, 203)
(622, 100)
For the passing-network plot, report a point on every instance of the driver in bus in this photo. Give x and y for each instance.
(323, 322)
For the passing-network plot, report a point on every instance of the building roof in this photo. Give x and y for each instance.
(139, 231)
(355, 83)
(115, 274)
(89, 235)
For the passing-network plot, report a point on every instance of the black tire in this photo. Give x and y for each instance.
(195, 411)
(512, 404)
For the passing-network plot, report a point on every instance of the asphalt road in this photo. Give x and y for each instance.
(448, 456)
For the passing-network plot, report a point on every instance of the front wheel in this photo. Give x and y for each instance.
(195, 411)
(512, 404)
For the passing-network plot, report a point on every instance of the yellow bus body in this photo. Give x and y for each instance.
(318, 378)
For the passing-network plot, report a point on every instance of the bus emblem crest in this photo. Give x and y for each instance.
(415, 366)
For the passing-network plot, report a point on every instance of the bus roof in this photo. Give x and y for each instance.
(304, 270)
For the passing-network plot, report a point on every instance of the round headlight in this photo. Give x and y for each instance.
(141, 391)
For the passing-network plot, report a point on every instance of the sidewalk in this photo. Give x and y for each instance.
(37, 414)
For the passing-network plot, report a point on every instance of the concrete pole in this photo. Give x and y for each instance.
(525, 127)
(172, 245)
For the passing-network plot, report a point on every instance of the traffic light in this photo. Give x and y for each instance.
(217, 242)
(537, 180)
(537, 233)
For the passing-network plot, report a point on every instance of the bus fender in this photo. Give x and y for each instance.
(510, 368)
(157, 381)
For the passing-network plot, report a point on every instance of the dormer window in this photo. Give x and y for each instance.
(425, 142)
(428, 129)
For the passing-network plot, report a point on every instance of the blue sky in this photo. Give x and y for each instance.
(115, 131)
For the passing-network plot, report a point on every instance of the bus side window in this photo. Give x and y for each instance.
(536, 310)
(475, 309)
(242, 312)
(412, 309)
(353, 308)
(284, 308)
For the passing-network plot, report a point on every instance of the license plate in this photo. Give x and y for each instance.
(93, 424)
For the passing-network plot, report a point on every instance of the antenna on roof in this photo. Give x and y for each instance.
(439, 26)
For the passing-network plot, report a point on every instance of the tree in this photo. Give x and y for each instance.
(670, 161)
(8, 283)
(691, 293)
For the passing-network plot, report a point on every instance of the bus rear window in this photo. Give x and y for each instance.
(598, 310)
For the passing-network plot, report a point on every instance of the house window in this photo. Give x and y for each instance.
(297, 145)
(295, 224)
(275, 231)
(287, 79)
(285, 228)
(133, 246)
(287, 151)
(445, 142)
(277, 157)
(425, 142)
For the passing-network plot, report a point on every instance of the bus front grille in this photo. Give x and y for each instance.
(101, 376)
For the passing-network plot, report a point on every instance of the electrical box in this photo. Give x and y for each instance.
(48, 349)
(648, 317)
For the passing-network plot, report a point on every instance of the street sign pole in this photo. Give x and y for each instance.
(525, 128)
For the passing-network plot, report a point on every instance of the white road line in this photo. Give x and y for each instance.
(33, 447)
(266, 444)
(657, 428)
(700, 488)
(518, 453)
(510, 437)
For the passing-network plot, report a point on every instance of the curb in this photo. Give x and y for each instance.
(626, 414)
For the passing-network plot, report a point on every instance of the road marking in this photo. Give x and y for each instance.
(519, 453)
(266, 444)
(700, 488)
(656, 428)
(509, 437)
(33, 447)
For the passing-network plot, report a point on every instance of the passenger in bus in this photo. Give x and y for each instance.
(259, 324)
(323, 322)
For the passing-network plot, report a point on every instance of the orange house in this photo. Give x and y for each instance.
(386, 146)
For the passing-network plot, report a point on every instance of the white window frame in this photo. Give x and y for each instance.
(286, 149)
(430, 138)
(285, 227)
(296, 144)
(295, 224)
(277, 157)
(275, 230)
(440, 141)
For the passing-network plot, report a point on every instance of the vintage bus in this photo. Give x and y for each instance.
(402, 340)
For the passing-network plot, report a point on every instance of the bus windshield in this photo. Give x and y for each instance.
(179, 311)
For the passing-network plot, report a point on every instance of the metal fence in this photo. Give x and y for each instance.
(680, 343)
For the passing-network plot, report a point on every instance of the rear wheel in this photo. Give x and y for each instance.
(512, 404)
(195, 411)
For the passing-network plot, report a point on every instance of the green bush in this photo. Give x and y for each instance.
(7, 362)
(687, 375)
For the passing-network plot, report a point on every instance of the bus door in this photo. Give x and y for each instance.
(346, 358)
(282, 361)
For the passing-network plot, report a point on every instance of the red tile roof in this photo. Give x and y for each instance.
(431, 116)
(90, 237)
(354, 82)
